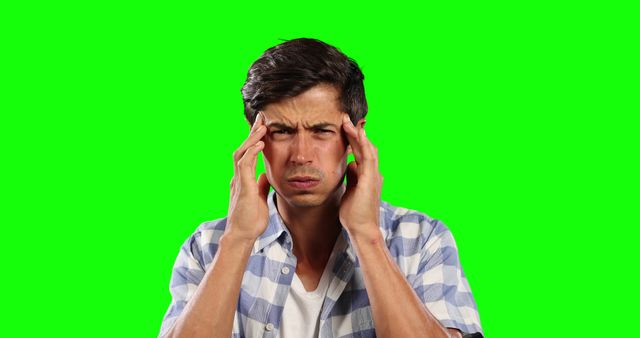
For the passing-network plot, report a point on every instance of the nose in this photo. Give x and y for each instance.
(301, 149)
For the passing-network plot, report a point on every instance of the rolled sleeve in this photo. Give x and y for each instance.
(188, 271)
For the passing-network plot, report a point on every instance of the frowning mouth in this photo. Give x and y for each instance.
(303, 182)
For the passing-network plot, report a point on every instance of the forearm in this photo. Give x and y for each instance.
(211, 310)
(397, 311)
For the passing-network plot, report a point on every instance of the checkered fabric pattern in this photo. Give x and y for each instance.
(421, 246)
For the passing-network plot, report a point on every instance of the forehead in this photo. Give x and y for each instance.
(317, 104)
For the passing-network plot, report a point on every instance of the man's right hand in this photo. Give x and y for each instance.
(248, 209)
(210, 309)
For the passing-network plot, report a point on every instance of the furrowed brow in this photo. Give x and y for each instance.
(323, 125)
(280, 125)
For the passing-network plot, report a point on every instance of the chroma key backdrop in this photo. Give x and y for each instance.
(513, 123)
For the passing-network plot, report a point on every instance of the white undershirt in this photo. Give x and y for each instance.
(301, 313)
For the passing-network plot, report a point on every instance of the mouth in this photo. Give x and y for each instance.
(303, 182)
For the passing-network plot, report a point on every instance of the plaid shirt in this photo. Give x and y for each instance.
(422, 247)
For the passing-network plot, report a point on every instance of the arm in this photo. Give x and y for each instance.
(390, 294)
(210, 311)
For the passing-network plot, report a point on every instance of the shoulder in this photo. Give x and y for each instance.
(411, 233)
(415, 240)
(210, 231)
(203, 243)
(410, 224)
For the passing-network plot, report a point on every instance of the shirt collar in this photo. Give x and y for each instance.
(277, 231)
(275, 228)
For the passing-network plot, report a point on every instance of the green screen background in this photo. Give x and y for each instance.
(515, 124)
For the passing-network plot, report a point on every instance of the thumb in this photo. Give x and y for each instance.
(263, 186)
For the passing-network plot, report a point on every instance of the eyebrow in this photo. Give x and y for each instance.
(320, 125)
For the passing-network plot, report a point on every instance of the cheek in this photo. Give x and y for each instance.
(335, 155)
(267, 151)
(274, 157)
(271, 153)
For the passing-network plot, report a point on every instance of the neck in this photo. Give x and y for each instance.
(314, 229)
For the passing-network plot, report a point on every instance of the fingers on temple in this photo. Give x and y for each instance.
(246, 166)
(353, 137)
(258, 131)
(369, 151)
(253, 138)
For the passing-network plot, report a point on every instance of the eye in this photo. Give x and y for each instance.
(324, 131)
(280, 132)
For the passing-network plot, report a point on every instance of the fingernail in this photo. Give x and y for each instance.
(348, 120)
(255, 122)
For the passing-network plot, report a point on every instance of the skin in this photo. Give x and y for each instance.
(304, 137)
(311, 215)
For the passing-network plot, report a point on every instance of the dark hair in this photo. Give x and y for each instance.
(288, 69)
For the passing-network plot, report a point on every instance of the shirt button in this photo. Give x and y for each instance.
(285, 270)
(269, 327)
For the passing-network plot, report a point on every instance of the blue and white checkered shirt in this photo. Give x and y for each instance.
(423, 248)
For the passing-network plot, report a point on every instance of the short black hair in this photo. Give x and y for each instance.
(290, 68)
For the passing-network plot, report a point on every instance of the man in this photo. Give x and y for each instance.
(316, 257)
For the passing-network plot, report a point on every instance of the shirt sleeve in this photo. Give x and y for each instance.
(186, 275)
(441, 284)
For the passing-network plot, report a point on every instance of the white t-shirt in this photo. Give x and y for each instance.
(301, 313)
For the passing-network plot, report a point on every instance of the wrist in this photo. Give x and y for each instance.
(366, 234)
(233, 239)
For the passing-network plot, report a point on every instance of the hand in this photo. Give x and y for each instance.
(360, 205)
(248, 209)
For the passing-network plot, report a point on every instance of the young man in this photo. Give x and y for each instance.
(316, 257)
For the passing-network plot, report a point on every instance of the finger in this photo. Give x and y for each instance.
(263, 186)
(352, 137)
(247, 165)
(369, 151)
(234, 184)
(257, 132)
(255, 136)
(364, 158)
(233, 195)
(259, 121)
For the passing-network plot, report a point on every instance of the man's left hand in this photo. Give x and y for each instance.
(360, 205)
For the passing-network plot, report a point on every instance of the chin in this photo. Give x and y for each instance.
(309, 199)
(305, 200)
